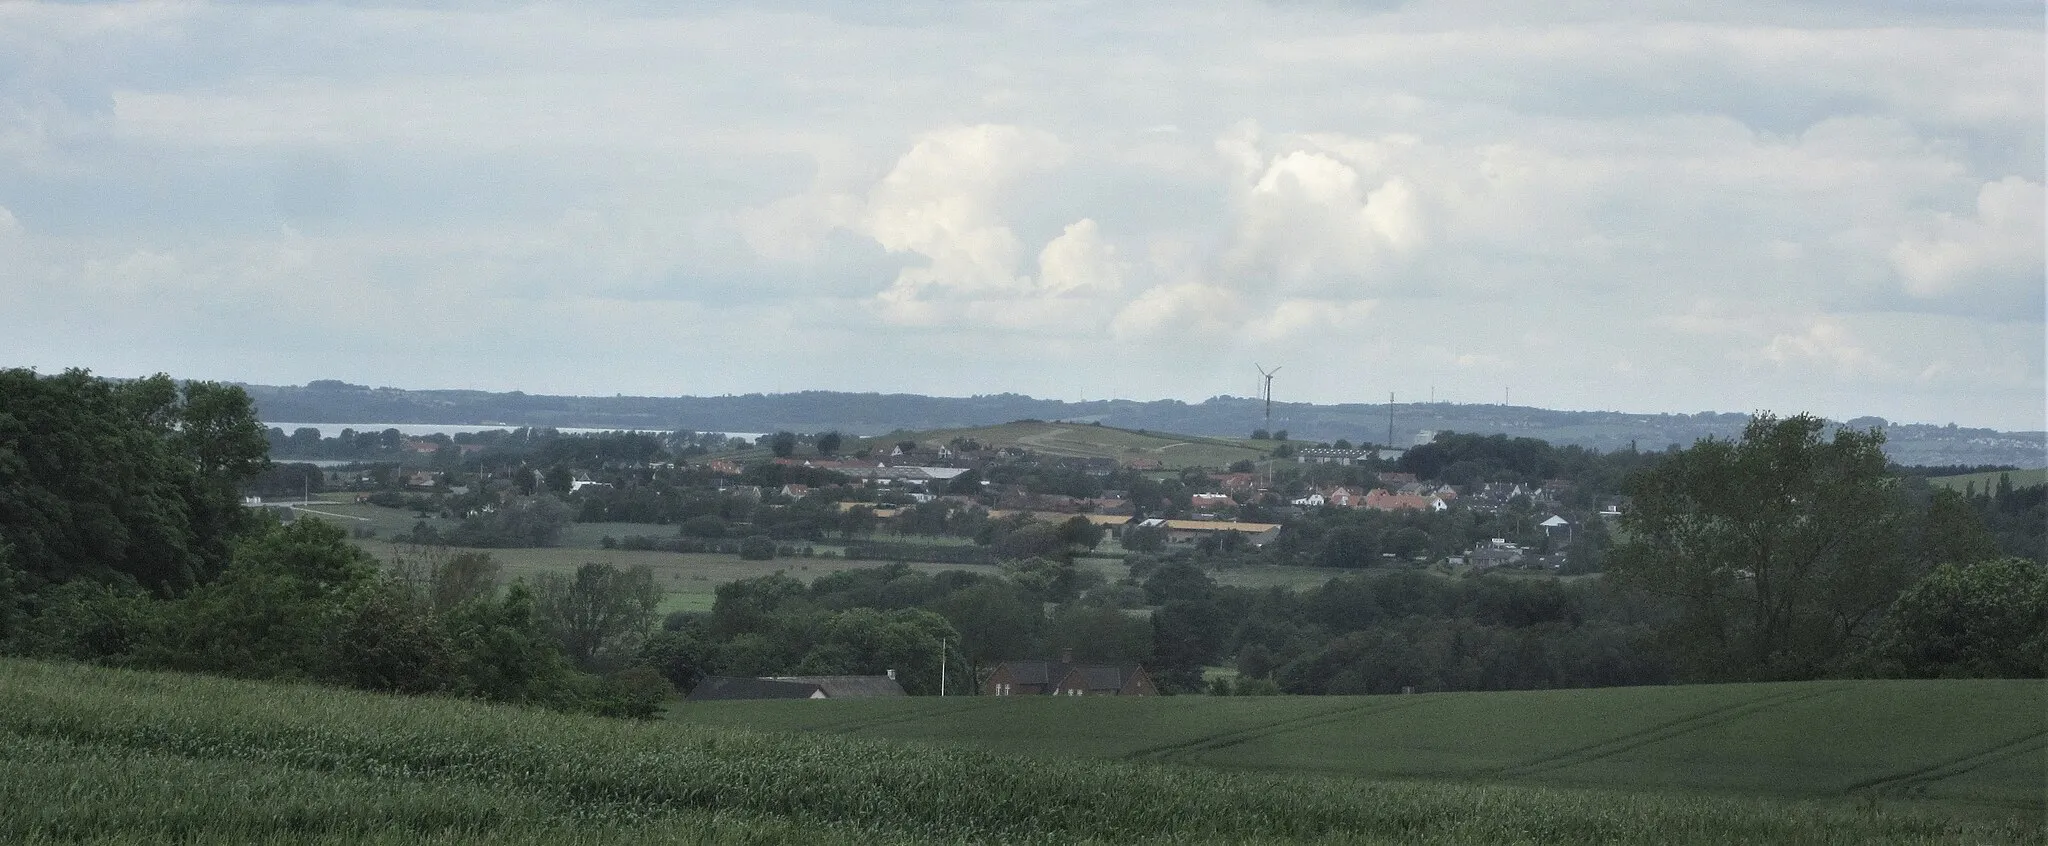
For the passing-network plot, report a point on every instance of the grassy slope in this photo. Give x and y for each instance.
(1081, 440)
(123, 757)
(1963, 743)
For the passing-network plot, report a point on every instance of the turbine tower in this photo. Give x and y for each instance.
(1269, 392)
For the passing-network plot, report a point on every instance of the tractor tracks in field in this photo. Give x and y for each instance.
(1660, 732)
(865, 723)
(1222, 740)
(1917, 779)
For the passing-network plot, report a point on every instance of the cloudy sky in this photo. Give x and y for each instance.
(1792, 205)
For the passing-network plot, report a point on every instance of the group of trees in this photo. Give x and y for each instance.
(1792, 552)
(926, 627)
(123, 540)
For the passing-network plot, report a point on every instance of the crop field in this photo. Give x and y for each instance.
(1978, 746)
(1986, 482)
(110, 756)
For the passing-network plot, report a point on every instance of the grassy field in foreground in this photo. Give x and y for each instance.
(1977, 746)
(123, 757)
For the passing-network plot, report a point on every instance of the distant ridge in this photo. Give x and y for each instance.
(329, 401)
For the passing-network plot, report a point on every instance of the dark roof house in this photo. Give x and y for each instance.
(714, 688)
(1066, 678)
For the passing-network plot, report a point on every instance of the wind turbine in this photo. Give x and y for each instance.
(1269, 391)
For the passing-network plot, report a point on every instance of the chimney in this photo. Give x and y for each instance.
(892, 673)
(1066, 656)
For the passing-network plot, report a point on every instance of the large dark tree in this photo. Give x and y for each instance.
(602, 613)
(1780, 549)
(123, 480)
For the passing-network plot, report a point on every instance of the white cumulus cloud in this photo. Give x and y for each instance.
(2000, 244)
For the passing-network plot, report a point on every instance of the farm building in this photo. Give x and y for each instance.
(1066, 678)
(714, 688)
(1189, 531)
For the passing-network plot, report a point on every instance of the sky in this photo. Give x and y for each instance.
(1814, 206)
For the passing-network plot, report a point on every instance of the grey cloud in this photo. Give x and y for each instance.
(1794, 189)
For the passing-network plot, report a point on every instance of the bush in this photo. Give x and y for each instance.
(757, 548)
(705, 526)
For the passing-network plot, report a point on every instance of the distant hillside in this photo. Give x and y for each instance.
(1091, 440)
(1226, 417)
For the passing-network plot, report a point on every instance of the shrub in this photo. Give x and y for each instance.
(757, 548)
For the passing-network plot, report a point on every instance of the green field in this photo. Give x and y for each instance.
(110, 756)
(1973, 746)
(690, 579)
(1986, 482)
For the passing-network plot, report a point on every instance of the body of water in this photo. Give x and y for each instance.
(329, 430)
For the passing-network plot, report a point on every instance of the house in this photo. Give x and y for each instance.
(1112, 505)
(1343, 497)
(1238, 482)
(1381, 499)
(1495, 553)
(716, 688)
(1556, 526)
(1329, 455)
(796, 491)
(1313, 500)
(1210, 501)
(1067, 678)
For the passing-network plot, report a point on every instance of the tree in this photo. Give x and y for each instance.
(829, 442)
(1080, 533)
(704, 526)
(783, 444)
(1988, 619)
(1098, 633)
(600, 614)
(443, 578)
(1144, 539)
(996, 620)
(1779, 548)
(757, 548)
(136, 480)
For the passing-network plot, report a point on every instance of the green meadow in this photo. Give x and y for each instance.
(109, 756)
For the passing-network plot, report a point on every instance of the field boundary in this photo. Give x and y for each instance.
(1662, 731)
